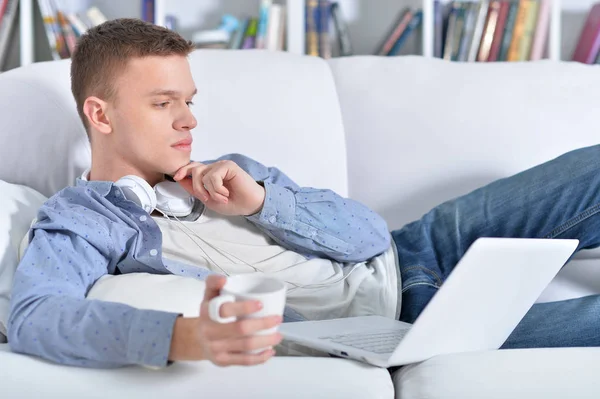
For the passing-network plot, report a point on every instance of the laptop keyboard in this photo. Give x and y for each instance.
(378, 342)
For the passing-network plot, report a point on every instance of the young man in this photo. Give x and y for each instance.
(133, 88)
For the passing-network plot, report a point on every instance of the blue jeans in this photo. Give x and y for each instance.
(557, 199)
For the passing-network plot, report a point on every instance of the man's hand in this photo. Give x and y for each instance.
(201, 338)
(223, 186)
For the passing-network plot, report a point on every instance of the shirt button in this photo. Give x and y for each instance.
(272, 219)
(313, 233)
(143, 218)
(153, 252)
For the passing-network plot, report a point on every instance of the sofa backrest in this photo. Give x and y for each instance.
(421, 131)
(277, 108)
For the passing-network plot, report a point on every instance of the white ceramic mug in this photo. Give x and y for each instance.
(251, 287)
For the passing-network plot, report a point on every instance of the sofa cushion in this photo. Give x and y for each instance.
(25, 377)
(272, 106)
(556, 373)
(18, 207)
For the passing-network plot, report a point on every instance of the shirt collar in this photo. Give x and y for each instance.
(101, 187)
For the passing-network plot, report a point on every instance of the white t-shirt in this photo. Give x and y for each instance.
(233, 245)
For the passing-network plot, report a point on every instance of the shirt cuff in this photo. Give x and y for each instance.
(150, 337)
(279, 209)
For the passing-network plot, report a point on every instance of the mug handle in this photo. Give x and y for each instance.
(214, 308)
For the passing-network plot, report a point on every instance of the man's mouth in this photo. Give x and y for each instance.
(183, 145)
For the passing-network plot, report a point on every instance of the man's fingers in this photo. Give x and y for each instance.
(236, 309)
(243, 328)
(208, 186)
(213, 287)
(216, 181)
(186, 170)
(242, 359)
(246, 344)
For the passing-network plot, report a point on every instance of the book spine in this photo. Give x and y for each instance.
(472, 9)
(8, 17)
(438, 38)
(499, 32)
(458, 31)
(478, 33)
(238, 36)
(587, 50)
(250, 35)
(312, 36)
(404, 20)
(414, 24)
(263, 22)
(540, 38)
(519, 30)
(341, 30)
(324, 18)
(508, 31)
(148, 10)
(79, 27)
(272, 38)
(450, 31)
(490, 29)
(530, 22)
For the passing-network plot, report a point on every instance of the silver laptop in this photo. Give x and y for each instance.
(478, 306)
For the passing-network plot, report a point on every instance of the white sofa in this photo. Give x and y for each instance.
(400, 134)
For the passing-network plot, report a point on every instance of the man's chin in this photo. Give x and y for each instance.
(173, 169)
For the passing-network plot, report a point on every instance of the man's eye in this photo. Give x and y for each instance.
(189, 103)
(162, 105)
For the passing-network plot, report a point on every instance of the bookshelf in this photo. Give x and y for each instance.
(295, 19)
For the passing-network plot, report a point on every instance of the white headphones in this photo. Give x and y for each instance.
(167, 197)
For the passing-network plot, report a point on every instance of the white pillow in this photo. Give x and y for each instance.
(18, 207)
(169, 293)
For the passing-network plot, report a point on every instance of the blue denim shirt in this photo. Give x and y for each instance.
(89, 230)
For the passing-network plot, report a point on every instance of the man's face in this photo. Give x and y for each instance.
(150, 116)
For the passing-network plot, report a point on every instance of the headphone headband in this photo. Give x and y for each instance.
(168, 196)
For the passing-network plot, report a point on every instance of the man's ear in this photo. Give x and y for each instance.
(95, 111)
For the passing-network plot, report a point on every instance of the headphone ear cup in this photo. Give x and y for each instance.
(139, 191)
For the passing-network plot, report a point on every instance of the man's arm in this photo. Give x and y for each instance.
(51, 318)
(314, 221)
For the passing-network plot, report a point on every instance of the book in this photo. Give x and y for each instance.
(438, 35)
(589, 39)
(323, 28)
(540, 37)
(518, 30)
(394, 34)
(526, 43)
(8, 17)
(450, 31)
(238, 35)
(508, 30)
(413, 25)
(312, 30)
(478, 31)
(148, 10)
(249, 41)
(263, 22)
(341, 30)
(274, 26)
(471, 14)
(499, 32)
(489, 31)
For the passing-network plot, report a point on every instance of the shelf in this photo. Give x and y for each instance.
(296, 26)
